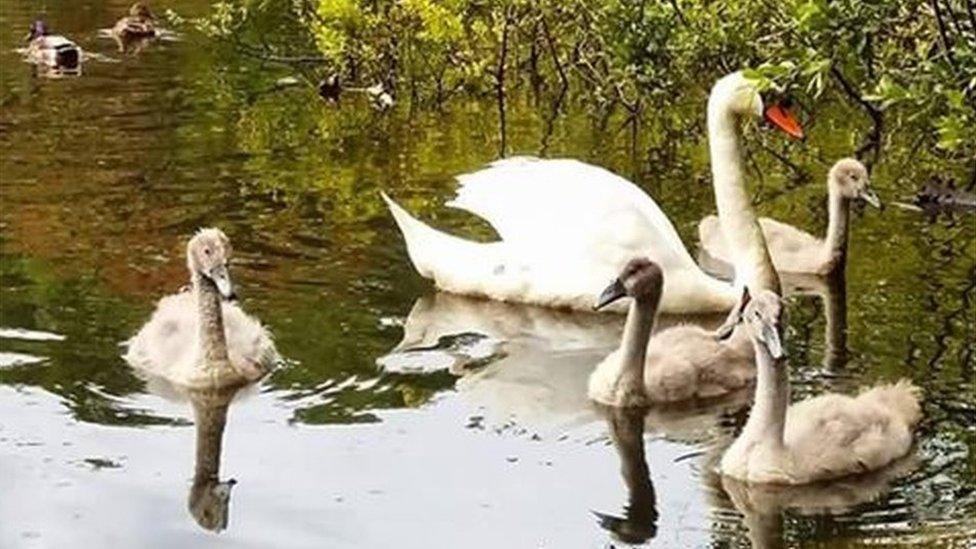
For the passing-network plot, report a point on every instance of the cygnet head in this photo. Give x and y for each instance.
(737, 94)
(641, 279)
(850, 178)
(762, 317)
(207, 255)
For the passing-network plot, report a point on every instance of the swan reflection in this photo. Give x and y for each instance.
(520, 362)
(209, 499)
(639, 522)
(762, 505)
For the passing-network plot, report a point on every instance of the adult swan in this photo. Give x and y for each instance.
(567, 227)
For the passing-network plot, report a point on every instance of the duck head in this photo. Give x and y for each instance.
(141, 10)
(37, 29)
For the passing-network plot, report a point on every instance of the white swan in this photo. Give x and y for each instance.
(687, 362)
(826, 437)
(196, 339)
(796, 251)
(567, 227)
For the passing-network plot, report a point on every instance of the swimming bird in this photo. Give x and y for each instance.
(796, 251)
(688, 362)
(677, 364)
(567, 227)
(821, 438)
(51, 51)
(139, 23)
(197, 339)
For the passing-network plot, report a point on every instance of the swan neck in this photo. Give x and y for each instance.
(213, 340)
(767, 419)
(737, 219)
(835, 244)
(637, 332)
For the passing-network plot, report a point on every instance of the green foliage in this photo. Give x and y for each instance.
(911, 63)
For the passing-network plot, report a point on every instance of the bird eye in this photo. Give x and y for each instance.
(206, 251)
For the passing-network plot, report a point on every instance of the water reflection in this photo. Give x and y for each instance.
(832, 291)
(518, 362)
(639, 522)
(763, 505)
(209, 499)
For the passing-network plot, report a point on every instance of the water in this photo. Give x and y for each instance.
(403, 416)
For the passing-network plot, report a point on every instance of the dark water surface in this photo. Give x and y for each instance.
(474, 429)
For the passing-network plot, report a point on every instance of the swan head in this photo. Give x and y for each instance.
(207, 255)
(739, 95)
(37, 29)
(641, 279)
(850, 179)
(762, 317)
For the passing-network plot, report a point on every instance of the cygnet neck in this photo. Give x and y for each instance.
(637, 331)
(213, 341)
(838, 221)
(767, 419)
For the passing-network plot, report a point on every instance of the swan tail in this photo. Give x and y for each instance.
(902, 399)
(437, 255)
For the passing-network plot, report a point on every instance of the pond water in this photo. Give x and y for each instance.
(403, 416)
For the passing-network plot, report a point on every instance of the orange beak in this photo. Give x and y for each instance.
(782, 119)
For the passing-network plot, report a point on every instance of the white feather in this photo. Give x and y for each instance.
(566, 229)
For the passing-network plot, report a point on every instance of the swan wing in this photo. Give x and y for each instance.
(787, 238)
(569, 209)
(249, 344)
(169, 341)
(835, 435)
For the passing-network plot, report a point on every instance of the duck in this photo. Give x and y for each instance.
(676, 365)
(51, 51)
(139, 23)
(566, 227)
(826, 437)
(794, 250)
(200, 338)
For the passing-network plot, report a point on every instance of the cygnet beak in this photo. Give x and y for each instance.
(735, 316)
(771, 338)
(871, 198)
(611, 293)
(221, 278)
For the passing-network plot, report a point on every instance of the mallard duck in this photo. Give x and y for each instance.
(140, 23)
(51, 51)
